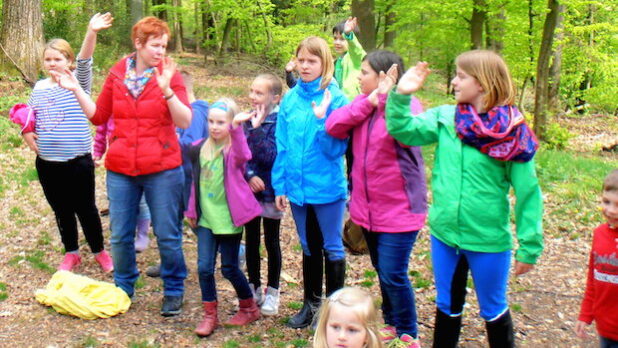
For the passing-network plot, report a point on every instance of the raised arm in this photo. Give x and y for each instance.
(97, 22)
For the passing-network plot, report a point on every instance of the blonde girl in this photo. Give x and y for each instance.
(484, 149)
(221, 202)
(348, 318)
(309, 172)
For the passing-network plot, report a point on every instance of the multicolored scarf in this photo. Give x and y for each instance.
(135, 84)
(501, 133)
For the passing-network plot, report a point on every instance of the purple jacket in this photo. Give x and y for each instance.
(101, 136)
(240, 199)
(389, 193)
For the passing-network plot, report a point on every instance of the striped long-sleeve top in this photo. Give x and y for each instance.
(62, 128)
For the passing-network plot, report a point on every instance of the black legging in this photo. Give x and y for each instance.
(69, 189)
(273, 250)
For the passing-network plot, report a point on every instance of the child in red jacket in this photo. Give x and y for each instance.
(599, 303)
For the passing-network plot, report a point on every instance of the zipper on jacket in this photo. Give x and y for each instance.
(369, 129)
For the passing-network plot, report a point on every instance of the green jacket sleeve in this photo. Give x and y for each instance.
(355, 50)
(528, 211)
(408, 129)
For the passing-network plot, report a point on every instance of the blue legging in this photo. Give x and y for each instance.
(330, 221)
(490, 272)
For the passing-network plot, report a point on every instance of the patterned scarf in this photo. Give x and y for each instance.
(501, 133)
(135, 84)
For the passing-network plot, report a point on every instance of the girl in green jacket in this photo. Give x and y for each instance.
(484, 149)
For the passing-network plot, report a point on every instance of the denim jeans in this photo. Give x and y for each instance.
(228, 245)
(607, 343)
(390, 253)
(163, 192)
(330, 221)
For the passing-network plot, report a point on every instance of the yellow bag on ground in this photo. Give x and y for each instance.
(80, 296)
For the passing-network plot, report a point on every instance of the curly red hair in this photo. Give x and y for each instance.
(147, 27)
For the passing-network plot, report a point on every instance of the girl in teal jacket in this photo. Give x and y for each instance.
(309, 171)
(484, 149)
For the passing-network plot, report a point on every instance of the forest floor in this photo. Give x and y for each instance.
(544, 302)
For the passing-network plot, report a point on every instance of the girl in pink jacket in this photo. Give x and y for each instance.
(388, 197)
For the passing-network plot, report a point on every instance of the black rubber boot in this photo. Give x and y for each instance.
(500, 331)
(446, 330)
(312, 284)
(335, 275)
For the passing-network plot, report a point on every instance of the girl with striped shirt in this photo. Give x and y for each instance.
(62, 141)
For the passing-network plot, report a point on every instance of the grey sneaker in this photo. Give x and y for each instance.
(258, 294)
(271, 302)
(172, 305)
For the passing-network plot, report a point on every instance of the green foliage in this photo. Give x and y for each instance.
(90, 342)
(557, 137)
(295, 305)
(3, 292)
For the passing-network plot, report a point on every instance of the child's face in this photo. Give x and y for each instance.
(368, 78)
(54, 60)
(467, 89)
(218, 125)
(609, 205)
(340, 43)
(309, 65)
(260, 94)
(343, 329)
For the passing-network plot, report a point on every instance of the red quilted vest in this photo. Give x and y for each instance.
(144, 139)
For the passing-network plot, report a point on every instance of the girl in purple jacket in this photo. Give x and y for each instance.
(388, 197)
(221, 202)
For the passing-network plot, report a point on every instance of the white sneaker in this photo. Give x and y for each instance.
(258, 294)
(271, 302)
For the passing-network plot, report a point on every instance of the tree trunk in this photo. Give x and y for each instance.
(495, 32)
(363, 11)
(542, 69)
(389, 21)
(226, 35)
(21, 38)
(137, 11)
(476, 24)
(162, 14)
(556, 66)
(177, 25)
(198, 28)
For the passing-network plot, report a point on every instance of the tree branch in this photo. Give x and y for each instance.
(21, 71)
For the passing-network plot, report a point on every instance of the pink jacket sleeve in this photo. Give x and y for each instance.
(191, 212)
(100, 140)
(341, 121)
(239, 150)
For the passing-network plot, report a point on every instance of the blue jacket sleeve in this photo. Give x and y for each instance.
(281, 138)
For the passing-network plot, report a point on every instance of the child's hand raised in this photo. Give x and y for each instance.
(320, 110)
(350, 25)
(291, 65)
(258, 116)
(65, 79)
(100, 21)
(413, 79)
(385, 84)
(242, 117)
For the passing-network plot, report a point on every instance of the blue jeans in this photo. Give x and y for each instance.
(607, 343)
(390, 253)
(228, 245)
(490, 272)
(163, 193)
(330, 221)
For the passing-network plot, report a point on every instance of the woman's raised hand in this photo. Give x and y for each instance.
(320, 110)
(100, 21)
(65, 79)
(413, 79)
(164, 77)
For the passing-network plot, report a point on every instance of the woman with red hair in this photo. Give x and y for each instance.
(146, 96)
